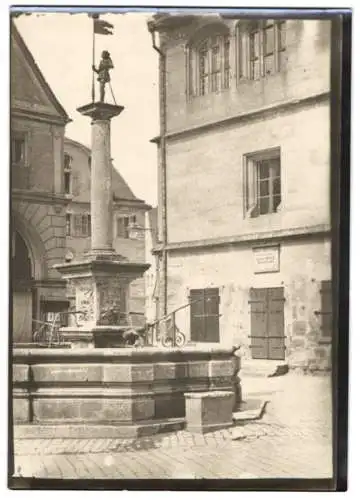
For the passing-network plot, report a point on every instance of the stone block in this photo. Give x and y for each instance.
(21, 409)
(222, 368)
(117, 373)
(208, 411)
(170, 371)
(20, 373)
(299, 328)
(142, 373)
(74, 373)
(143, 409)
(198, 369)
(169, 405)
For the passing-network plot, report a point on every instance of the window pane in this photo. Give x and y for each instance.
(68, 224)
(281, 35)
(276, 185)
(269, 40)
(84, 225)
(275, 165)
(215, 59)
(204, 85)
(255, 70)
(263, 169)
(89, 224)
(226, 52)
(269, 65)
(254, 45)
(18, 150)
(264, 205)
(67, 182)
(67, 161)
(276, 202)
(203, 62)
(216, 82)
(264, 188)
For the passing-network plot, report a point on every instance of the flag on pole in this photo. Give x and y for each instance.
(102, 27)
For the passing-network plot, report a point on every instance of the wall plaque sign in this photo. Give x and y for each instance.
(266, 259)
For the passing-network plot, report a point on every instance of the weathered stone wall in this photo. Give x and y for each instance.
(303, 265)
(44, 227)
(118, 386)
(306, 72)
(205, 175)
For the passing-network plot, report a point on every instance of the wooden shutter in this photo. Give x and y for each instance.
(211, 309)
(326, 309)
(258, 319)
(275, 328)
(204, 315)
(197, 324)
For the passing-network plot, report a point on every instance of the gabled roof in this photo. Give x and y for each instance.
(37, 72)
(121, 190)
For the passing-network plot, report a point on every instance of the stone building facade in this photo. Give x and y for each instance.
(244, 176)
(38, 203)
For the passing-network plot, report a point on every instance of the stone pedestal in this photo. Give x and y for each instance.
(208, 411)
(101, 277)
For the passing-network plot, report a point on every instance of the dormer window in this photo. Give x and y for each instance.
(209, 64)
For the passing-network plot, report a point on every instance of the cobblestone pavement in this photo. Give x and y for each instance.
(292, 440)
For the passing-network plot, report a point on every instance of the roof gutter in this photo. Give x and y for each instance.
(152, 27)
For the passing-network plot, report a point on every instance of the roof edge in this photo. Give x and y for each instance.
(28, 55)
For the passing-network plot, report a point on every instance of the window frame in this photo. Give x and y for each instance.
(218, 72)
(68, 224)
(244, 70)
(67, 174)
(23, 136)
(251, 183)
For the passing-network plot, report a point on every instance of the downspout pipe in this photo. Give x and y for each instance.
(162, 145)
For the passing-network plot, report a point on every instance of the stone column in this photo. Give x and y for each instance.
(101, 278)
(101, 190)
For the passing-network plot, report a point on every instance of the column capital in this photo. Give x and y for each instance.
(100, 110)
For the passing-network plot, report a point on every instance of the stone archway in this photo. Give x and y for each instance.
(22, 286)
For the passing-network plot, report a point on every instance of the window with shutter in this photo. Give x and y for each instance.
(204, 315)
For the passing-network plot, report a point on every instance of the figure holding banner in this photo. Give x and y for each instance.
(103, 72)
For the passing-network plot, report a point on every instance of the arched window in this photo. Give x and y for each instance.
(209, 64)
(260, 48)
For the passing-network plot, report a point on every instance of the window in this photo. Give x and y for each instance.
(123, 227)
(82, 225)
(260, 49)
(204, 315)
(124, 224)
(68, 224)
(326, 309)
(18, 148)
(262, 183)
(67, 173)
(209, 65)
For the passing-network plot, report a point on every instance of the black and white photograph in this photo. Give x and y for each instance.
(177, 187)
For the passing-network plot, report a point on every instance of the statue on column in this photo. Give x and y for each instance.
(103, 72)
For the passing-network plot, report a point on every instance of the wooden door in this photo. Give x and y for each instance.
(22, 316)
(267, 323)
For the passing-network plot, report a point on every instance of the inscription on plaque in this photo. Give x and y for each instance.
(266, 259)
